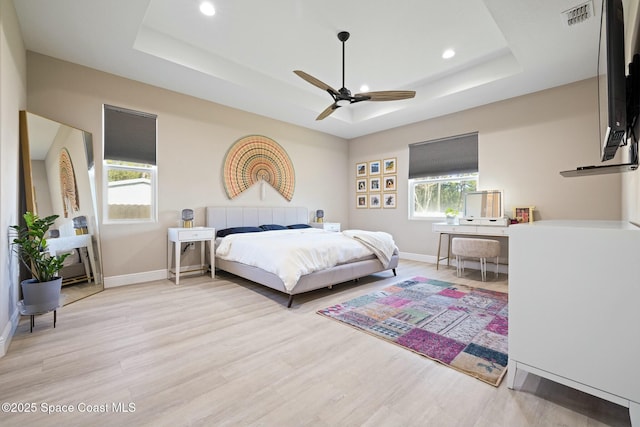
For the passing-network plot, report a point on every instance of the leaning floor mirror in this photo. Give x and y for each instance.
(59, 180)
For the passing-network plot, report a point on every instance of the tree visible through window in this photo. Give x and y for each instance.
(433, 196)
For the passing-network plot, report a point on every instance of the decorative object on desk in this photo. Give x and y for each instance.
(361, 185)
(389, 166)
(523, 214)
(451, 214)
(481, 207)
(319, 215)
(361, 169)
(389, 200)
(361, 201)
(68, 186)
(187, 218)
(256, 158)
(42, 292)
(375, 201)
(390, 183)
(374, 167)
(461, 327)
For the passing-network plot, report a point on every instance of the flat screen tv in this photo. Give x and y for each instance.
(618, 95)
(614, 91)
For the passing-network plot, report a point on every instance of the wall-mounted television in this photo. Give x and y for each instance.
(618, 94)
(613, 92)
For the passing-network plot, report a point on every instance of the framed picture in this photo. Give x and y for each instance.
(374, 167)
(375, 201)
(361, 185)
(523, 214)
(389, 183)
(389, 165)
(389, 200)
(374, 184)
(361, 169)
(361, 201)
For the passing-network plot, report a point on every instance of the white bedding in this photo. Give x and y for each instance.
(290, 254)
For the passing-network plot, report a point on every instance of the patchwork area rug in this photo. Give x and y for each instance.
(462, 327)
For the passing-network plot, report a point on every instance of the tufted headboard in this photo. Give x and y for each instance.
(222, 217)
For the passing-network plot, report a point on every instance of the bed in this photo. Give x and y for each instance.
(225, 218)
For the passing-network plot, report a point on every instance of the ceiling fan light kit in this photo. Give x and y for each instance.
(343, 96)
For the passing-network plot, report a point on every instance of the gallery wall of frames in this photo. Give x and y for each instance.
(376, 184)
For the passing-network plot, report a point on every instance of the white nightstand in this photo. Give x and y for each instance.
(328, 226)
(177, 235)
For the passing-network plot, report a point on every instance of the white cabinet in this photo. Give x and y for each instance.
(328, 226)
(574, 298)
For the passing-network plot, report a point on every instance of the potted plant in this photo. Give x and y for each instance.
(42, 291)
(451, 215)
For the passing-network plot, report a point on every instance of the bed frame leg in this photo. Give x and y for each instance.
(394, 272)
(290, 301)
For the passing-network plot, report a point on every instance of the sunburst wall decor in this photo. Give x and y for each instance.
(254, 158)
(68, 185)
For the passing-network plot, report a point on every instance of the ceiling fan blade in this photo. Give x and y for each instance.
(327, 111)
(315, 82)
(387, 95)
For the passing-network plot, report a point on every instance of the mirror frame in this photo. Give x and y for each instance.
(30, 196)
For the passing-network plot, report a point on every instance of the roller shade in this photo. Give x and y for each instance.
(445, 156)
(129, 135)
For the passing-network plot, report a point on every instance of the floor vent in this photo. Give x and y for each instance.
(578, 14)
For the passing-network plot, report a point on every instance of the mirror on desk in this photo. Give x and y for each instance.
(59, 180)
(483, 204)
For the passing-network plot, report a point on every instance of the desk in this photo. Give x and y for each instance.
(474, 230)
(177, 235)
(69, 243)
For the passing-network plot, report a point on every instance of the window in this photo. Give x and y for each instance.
(440, 172)
(431, 197)
(129, 165)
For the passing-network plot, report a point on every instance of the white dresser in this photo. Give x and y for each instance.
(574, 307)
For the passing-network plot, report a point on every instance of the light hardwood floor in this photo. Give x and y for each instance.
(226, 352)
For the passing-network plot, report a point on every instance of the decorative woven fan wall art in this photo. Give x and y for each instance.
(68, 185)
(256, 158)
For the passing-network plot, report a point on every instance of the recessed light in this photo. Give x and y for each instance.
(449, 53)
(207, 8)
(364, 88)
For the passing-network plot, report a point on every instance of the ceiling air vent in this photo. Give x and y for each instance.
(578, 14)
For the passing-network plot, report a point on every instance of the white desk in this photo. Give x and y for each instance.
(177, 235)
(69, 243)
(454, 229)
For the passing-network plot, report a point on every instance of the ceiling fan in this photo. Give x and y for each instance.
(343, 96)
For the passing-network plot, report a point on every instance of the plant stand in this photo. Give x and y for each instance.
(32, 311)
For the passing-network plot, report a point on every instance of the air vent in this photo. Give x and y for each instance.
(578, 14)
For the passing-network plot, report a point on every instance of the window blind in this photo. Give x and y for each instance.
(445, 156)
(129, 135)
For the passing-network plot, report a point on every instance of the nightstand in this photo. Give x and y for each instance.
(327, 226)
(177, 236)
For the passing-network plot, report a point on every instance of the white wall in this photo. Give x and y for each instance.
(13, 89)
(193, 138)
(523, 144)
